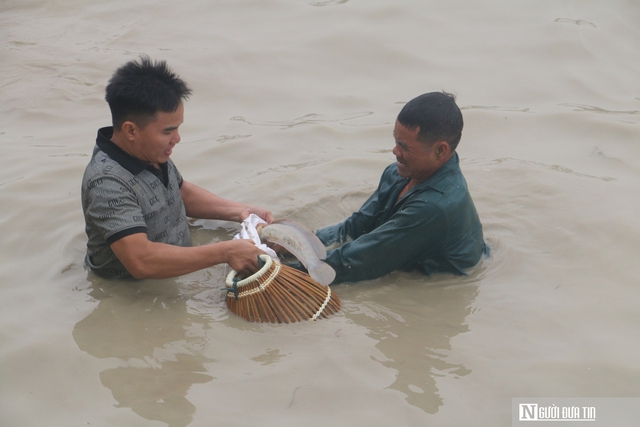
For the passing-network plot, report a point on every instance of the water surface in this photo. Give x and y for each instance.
(293, 108)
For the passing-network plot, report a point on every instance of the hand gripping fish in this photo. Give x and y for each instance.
(302, 244)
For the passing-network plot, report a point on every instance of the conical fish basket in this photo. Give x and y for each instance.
(279, 294)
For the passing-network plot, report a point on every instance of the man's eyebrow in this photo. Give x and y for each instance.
(168, 128)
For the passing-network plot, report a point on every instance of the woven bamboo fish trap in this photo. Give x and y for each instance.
(279, 294)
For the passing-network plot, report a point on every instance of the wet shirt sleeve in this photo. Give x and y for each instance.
(414, 233)
(112, 210)
(359, 223)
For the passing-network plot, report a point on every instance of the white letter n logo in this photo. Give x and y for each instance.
(528, 412)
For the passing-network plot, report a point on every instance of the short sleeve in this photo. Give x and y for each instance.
(112, 208)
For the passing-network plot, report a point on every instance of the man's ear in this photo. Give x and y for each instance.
(442, 149)
(129, 130)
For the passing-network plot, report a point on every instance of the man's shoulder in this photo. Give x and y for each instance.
(101, 168)
(102, 163)
(449, 193)
(171, 167)
(391, 170)
(390, 175)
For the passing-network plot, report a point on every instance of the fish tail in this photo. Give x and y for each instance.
(322, 273)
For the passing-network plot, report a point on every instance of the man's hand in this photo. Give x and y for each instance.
(261, 212)
(242, 256)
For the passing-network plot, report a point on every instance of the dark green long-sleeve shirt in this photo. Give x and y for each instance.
(433, 227)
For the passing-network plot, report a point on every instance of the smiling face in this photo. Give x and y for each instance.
(415, 160)
(153, 143)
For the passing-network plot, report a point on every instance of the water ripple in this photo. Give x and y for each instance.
(328, 2)
(305, 120)
(221, 139)
(593, 109)
(557, 168)
(496, 108)
(575, 22)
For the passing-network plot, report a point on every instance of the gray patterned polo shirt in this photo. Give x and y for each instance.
(122, 195)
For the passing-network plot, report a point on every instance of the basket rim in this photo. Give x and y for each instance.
(231, 277)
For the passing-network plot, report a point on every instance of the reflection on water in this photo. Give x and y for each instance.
(151, 332)
(269, 357)
(413, 324)
(157, 394)
(414, 318)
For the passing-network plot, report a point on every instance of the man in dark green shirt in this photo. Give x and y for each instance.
(421, 216)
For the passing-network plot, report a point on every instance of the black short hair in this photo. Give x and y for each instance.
(138, 90)
(437, 115)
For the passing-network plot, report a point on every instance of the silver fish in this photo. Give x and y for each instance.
(302, 244)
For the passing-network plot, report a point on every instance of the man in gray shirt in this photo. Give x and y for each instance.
(135, 201)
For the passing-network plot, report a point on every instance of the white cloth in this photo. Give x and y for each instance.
(249, 231)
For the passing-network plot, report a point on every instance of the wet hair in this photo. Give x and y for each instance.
(437, 116)
(138, 90)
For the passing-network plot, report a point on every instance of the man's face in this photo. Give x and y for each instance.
(154, 142)
(415, 160)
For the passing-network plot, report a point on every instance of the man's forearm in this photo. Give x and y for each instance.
(151, 260)
(200, 203)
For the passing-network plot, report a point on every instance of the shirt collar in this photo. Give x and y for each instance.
(441, 180)
(124, 159)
